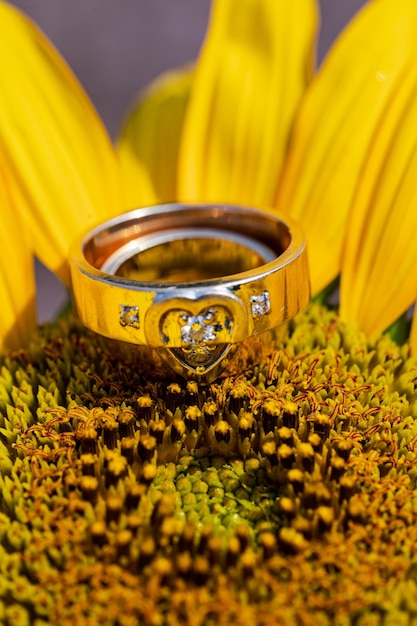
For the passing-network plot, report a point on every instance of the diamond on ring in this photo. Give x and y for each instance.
(260, 305)
(196, 329)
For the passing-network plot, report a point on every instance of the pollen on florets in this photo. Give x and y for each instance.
(253, 496)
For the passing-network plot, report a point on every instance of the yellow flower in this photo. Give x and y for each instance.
(337, 153)
(284, 493)
(59, 172)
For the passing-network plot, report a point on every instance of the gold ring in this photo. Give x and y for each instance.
(192, 281)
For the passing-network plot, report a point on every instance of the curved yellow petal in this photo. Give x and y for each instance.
(149, 141)
(379, 268)
(17, 279)
(340, 115)
(251, 74)
(62, 166)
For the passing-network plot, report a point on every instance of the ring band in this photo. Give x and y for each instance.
(192, 281)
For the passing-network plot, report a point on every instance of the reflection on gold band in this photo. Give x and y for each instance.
(188, 260)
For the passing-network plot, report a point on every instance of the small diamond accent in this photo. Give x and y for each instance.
(260, 305)
(129, 316)
(197, 329)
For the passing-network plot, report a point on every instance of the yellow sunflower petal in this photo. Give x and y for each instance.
(413, 333)
(17, 280)
(63, 168)
(252, 72)
(341, 113)
(379, 268)
(149, 142)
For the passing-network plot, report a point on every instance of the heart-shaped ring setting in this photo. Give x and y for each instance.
(197, 335)
(193, 330)
(199, 355)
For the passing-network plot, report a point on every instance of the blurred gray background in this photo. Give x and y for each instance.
(116, 47)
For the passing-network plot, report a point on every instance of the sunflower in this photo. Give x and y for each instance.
(284, 492)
